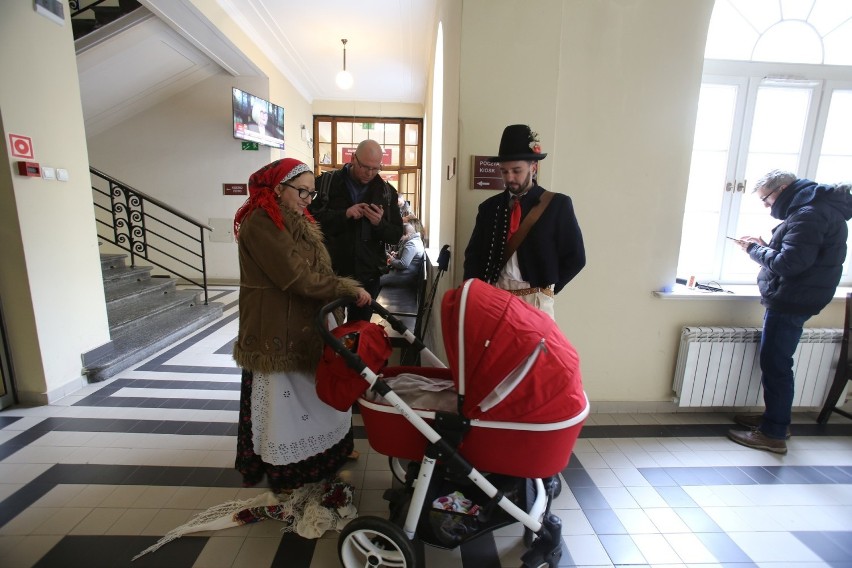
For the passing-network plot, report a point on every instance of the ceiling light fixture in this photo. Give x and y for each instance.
(344, 78)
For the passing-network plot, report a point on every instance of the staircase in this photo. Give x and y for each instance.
(95, 14)
(145, 315)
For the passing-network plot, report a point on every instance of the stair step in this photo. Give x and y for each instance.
(113, 260)
(121, 274)
(106, 14)
(135, 344)
(124, 315)
(83, 26)
(131, 291)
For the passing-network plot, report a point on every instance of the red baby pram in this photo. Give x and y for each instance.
(511, 404)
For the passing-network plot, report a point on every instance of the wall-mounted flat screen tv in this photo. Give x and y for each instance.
(257, 120)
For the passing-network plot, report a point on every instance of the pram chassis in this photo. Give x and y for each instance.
(371, 539)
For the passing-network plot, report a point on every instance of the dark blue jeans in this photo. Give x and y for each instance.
(354, 313)
(778, 342)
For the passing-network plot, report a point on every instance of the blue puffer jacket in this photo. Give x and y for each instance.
(802, 264)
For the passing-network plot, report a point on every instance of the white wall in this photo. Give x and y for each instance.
(181, 151)
(47, 231)
(612, 88)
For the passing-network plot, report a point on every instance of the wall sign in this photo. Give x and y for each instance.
(22, 146)
(234, 189)
(485, 174)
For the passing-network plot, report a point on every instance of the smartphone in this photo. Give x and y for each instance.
(738, 241)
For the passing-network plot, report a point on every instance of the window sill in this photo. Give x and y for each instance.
(732, 292)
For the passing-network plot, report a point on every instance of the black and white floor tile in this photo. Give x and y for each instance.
(99, 476)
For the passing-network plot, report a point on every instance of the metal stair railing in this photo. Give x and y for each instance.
(149, 229)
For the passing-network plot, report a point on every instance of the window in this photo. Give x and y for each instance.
(400, 138)
(776, 93)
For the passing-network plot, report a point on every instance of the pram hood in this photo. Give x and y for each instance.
(509, 359)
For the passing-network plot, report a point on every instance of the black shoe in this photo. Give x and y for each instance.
(757, 440)
(753, 421)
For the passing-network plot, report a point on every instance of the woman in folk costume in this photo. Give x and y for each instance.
(285, 431)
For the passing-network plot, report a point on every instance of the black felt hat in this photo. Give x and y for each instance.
(518, 143)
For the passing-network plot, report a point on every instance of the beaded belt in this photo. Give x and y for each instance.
(528, 291)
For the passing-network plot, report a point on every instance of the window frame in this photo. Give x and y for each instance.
(748, 77)
(404, 170)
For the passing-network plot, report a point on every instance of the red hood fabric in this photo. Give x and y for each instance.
(500, 333)
(338, 385)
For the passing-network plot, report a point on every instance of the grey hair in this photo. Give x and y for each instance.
(775, 179)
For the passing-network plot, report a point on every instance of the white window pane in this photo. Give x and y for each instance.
(835, 161)
(729, 36)
(834, 169)
(698, 244)
(760, 14)
(838, 45)
(716, 105)
(837, 139)
(796, 9)
(827, 14)
(791, 42)
(780, 116)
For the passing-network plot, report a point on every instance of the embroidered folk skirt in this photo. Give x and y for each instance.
(287, 433)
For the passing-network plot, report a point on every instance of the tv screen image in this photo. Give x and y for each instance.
(257, 120)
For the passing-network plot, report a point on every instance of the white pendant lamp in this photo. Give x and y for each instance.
(344, 78)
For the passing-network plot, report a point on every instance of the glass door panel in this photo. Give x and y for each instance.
(708, 184)
(777, 136)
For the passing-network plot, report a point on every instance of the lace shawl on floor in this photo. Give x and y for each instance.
(309, 511)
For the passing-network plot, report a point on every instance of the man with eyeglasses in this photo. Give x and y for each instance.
(358, 213)
(800, 269)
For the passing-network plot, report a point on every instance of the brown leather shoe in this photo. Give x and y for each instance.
(753, 421)
(757, 440)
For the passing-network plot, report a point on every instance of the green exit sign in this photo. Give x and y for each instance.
(250, 146)
(368, 125)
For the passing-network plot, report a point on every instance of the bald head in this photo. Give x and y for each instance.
(367, 162)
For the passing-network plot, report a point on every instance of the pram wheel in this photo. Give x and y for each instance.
(374, 542)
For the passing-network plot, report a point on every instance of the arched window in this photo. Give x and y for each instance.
(776, 93)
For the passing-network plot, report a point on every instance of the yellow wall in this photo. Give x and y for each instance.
(612, 88)
(50, 282)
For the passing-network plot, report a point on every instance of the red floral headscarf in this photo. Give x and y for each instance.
(261, 188)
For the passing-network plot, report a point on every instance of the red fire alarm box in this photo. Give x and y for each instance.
(31, 169)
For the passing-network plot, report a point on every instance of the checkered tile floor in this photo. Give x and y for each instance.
(99, 476)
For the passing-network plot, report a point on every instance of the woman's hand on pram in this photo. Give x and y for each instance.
(362, 298)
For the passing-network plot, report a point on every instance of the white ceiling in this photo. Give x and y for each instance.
(171, 45)
(388, 48)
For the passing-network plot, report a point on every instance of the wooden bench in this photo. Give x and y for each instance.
(406, 303)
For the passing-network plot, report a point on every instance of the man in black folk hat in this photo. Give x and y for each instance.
(531, 258)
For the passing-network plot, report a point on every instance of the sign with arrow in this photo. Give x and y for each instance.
(486, 175)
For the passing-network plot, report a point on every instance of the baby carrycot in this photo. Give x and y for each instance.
(510, 404)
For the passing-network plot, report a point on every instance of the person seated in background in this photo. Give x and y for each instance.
(404, 208)
(406, 263)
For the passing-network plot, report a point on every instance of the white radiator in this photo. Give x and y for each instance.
(719, 366)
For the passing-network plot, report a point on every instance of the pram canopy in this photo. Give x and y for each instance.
(508, 359)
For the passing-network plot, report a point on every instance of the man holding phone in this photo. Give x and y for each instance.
(800, 269)
(358, 213)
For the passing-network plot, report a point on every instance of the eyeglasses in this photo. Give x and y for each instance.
(765, 197)
(303, 192)
(369, 169)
